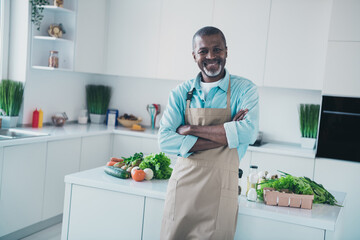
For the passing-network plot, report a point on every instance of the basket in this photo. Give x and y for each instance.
(129, 123)
(275, 198)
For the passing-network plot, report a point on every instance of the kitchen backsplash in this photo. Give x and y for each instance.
(65, 92)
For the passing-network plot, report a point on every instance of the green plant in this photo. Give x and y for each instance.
(11, 96)
(37, 7)
(98, 98)
(309, 119)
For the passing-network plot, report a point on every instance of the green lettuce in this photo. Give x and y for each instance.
(159, 163)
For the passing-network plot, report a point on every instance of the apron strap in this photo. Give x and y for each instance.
(189, 97)
(228, 95)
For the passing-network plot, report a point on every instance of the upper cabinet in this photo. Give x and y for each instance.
(342, 72)
(179, 22)
(297, 43)
(245, 26)
(345, 19)
(43, 43)
(91, 36)
(133, 37)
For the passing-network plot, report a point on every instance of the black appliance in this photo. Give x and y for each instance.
(339, 131)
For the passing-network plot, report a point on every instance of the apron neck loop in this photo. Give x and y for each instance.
(189, 97)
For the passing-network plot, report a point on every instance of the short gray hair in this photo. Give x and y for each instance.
(207, 31)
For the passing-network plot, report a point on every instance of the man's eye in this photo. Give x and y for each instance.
(202, 52)
(217, 50)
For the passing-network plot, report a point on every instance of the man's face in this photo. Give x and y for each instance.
(210, 54)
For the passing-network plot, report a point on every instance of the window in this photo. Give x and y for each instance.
(4, 37)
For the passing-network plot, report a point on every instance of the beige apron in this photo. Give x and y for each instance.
(202, 194)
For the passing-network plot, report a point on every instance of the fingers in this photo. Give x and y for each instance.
(240, 115)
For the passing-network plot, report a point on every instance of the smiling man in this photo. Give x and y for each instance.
(208, 123)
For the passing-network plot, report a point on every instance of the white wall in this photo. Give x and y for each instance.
(56, 91)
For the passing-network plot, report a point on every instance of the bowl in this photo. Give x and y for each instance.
(129, 123)
(58, 121)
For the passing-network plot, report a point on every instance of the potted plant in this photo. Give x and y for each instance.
(98, 98)
(37, 7)
(11, 97)
(309, 119)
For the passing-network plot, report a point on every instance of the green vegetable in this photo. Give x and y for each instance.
(133, 160)
(159, 163)
(298, 185)
(98, 98)
(116, 172)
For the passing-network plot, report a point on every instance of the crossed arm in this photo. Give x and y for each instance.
(209, 136)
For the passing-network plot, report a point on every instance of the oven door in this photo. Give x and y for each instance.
(339, 132)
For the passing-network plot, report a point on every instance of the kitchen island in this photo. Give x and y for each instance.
(99, 206)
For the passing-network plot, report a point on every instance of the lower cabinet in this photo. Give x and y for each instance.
(125, 146)
(247, 227)
(297, 166)
(152, 218)
(63, 158)
(343, 176)
(95, 151)
(22, 186)
(119, 219)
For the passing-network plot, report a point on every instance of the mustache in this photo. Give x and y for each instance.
(216, 60)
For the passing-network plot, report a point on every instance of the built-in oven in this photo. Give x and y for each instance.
(339, 130)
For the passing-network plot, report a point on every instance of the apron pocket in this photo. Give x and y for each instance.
(227, 212)
(169, 208)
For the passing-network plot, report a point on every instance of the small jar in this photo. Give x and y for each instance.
(54, 59)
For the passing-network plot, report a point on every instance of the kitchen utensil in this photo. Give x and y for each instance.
(153, 110)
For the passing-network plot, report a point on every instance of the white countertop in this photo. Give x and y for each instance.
(79, 130)
(321, 216)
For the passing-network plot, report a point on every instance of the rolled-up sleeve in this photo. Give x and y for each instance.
(171, 142)
(246, 130)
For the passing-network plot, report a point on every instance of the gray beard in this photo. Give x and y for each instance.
(212, 73)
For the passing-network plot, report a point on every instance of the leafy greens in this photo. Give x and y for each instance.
(159, 163)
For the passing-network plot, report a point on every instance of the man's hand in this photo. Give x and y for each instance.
(240, 114)
(183, 130)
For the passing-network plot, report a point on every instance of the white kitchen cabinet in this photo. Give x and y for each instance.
(245, 26)
(22, 188)
(297, 43)
(102, 214)
(340, 175)
(133, 37)
(126, 146)
(250, 227)
(91, 36)
(297, 166)
(345, 19)
(95, 151)
(179, 22)
(342, 72)
(152, 218)
(63, 158)
(42, 43)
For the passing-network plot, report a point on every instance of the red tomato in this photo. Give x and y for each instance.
(138, 175)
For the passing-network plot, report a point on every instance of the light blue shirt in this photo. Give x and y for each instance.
(239, 134)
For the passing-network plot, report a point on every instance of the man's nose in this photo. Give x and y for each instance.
(210, 55)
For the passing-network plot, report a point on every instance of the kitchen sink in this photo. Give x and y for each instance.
(7, 134)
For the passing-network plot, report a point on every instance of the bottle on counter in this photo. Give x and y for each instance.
(252, 180)
(35, 119)
(41, 113)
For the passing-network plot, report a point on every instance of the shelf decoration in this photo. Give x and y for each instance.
(309, 119)
(56, 30)
(37, 7)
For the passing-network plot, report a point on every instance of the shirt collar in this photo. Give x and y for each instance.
(223, 84)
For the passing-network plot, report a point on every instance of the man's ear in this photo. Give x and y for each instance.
(226, 52)
(194, 56)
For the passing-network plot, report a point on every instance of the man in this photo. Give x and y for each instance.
(208, 123)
